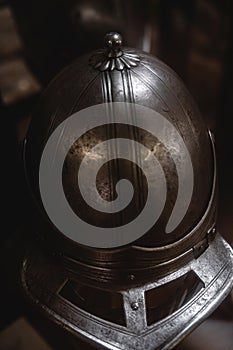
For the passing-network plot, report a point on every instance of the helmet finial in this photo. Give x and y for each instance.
(113, 42)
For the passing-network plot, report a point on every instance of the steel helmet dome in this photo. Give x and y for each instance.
(116, 114)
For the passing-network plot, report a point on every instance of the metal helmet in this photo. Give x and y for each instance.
(133, 266)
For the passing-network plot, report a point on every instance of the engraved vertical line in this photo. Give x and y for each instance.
(113, 130)
(106, 100)
(138, 173)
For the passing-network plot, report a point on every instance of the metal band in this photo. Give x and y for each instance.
(44, 293)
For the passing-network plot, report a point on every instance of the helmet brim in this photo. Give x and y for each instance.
(43, 278)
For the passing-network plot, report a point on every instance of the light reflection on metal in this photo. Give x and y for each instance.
(147, 264)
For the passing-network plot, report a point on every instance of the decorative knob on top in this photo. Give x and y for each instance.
(113, 56)
(113, 42)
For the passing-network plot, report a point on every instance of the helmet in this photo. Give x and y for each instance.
(122, 173)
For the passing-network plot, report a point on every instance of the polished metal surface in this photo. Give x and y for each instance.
(214, 268)
(118, 74)
(151, 84)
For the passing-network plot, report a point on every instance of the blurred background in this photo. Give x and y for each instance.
(37, 39)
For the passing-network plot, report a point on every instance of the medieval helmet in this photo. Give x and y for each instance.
(122, 173)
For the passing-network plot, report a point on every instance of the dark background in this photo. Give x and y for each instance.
(37, 39)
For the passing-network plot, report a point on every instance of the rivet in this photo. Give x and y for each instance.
(131, 277)
(134, 306)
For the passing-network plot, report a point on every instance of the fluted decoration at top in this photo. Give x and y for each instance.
(113, 56)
